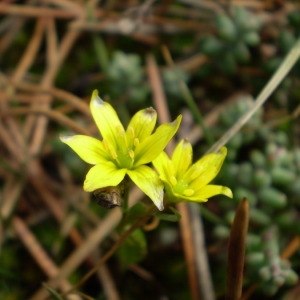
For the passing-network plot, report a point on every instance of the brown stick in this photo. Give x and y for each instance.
(51, 114)
(38, 253)
(37, 12)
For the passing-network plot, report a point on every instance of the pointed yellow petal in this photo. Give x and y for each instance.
(142, 124)
(154, 144)
(88, 148)
(182, 157)
(164, 166)
(147, 180)
(106, 119)
(210, 191)
(205, 169)
(103, 175)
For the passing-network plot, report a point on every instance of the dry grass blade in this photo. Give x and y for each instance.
(62, 95)
(38, 253)
(291, 248)
(8, 37)
(35, 12)
(91, 242)
(159, 98)
(51, 114)
(31, 51)
(201, 257)
(236, 251)
(12, 190)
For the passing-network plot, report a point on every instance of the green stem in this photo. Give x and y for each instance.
(126, 187)
(101, 52)
(188, 98)
(190, 101)
(206, 213)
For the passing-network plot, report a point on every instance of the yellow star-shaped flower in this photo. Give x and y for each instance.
(123, 152)
(185, 181)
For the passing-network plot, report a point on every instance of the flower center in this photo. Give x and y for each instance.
(109, 148)
(181, 187)
(123, 153)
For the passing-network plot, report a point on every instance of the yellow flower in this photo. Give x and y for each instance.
(123, 152)
(185, 181)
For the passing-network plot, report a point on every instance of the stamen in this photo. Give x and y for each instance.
(122, 142)
(120, 130)
(105, 144)
(188, 192)
(113, 153)
(110, 149)
(131, 154)
(173, 180)
(131, 131)
(136, 142)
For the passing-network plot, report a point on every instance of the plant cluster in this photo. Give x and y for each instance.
(193, 58)
(265, 169)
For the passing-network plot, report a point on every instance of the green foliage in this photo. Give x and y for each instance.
(273, 270)
(235, 35)
(264, 170)
(171, 82)
(126, 77)
(133, 250)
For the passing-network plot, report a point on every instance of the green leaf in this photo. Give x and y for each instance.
(226, 28)
(135, 212)
(133, 250)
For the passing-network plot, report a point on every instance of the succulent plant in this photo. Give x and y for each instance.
(268, 175)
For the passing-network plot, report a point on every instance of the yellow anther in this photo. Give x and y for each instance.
(120, 129)
(188, 192)
(110, 149)
(173, 180)
(105, 144)
(131, 154)
(113, 153)
(131, 131)
(136, 142)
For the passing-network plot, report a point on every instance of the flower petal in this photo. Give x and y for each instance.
(147, 180)
(164, 166)
(182, 157)
(154, 144)
(103, 175)
(88, 148)
(142, 124)
(205, 169)
(209, 191)
(106, 119)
